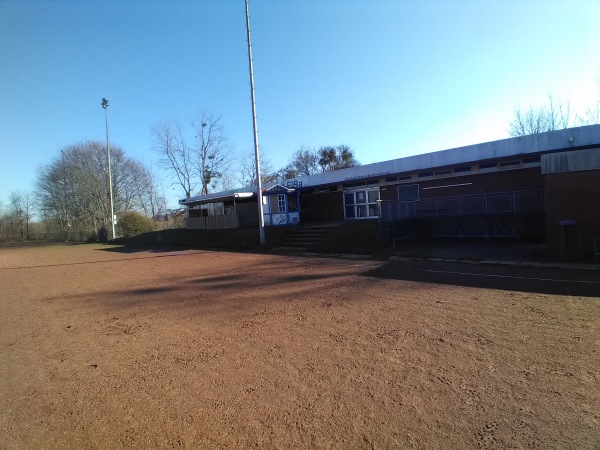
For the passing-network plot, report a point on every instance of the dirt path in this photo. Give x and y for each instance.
(193, 349)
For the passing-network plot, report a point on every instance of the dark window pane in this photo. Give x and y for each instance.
(361, 197)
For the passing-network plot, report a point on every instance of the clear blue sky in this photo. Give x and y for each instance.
(390, 78)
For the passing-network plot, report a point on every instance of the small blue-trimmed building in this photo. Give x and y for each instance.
(238, 208)
(281, 206)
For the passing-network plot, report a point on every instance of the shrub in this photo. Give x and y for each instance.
(133, 223)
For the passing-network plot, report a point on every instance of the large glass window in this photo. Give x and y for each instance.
(361, 204)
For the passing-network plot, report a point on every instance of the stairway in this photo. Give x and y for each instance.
(303, 237)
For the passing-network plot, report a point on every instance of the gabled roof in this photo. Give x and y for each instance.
(278, 189)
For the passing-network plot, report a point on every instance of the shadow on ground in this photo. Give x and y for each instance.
(551, 281)
(127, 249)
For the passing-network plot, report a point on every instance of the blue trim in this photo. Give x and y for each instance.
(288, 221)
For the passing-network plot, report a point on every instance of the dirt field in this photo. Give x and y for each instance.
(106, 348)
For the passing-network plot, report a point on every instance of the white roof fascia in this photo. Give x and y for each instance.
(535, 143)
(235, 193)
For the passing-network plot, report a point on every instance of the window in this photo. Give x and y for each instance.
(408, 193)
(510, 163)
(462, 170)
(373, 212)
(361, 204)
(536, 160)
(487, 167)
(281, 203)
(361, 196)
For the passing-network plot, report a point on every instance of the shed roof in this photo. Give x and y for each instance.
(218, 196)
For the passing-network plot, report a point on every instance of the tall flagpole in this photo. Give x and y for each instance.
(110, 188)
(261, 219)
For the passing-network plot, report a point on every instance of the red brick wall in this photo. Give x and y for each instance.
(573, 196)
(480, 183)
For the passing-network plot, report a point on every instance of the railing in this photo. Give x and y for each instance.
(212, 222)
(479, 204)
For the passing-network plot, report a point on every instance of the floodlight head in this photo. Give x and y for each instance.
(104, 103)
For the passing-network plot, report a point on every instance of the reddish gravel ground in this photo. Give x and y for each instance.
(104, 347)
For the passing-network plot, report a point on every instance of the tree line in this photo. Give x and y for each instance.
(71, 200)
(206, 163)
(554, 115)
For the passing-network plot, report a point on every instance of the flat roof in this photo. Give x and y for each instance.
(505, 148)
(551, 141)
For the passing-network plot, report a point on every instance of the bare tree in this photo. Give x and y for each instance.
(213, 154)
(247, 170)
(151, 199)
(226, 182)
(305, 161)
(194, 166)
(551, 117)
(21, 211)
(176, 155)
(528, 122)
(73, 189)
(3, 223)
(591, 115)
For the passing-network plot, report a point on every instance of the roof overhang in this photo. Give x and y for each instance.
(216, 197)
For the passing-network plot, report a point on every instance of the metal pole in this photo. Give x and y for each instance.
(261, 218)
(110, 190)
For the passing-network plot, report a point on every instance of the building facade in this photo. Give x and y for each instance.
(525, 187)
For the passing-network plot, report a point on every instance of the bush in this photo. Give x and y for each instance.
(133, 223)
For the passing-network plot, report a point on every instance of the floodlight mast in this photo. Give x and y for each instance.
(110, 189)
(261, 218)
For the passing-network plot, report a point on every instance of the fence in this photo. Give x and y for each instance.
(478, 204)
(212, 222)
